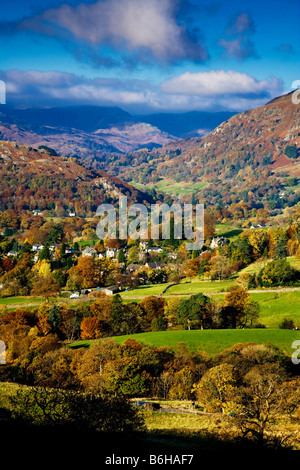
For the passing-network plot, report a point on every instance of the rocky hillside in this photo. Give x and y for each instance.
(251, 157)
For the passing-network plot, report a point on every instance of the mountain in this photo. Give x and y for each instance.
(252, 157)
(34, 179)
(88, 132)
(186, 125)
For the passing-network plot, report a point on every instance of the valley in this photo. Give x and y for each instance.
(161, 320)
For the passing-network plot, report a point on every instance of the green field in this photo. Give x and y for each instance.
(211, 341)
(184, 288)
(172, 187)
(275, 306)
(21, 300)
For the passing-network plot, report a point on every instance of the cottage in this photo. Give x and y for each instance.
(219, 241)
(253, 227)
(133, 267)
(155, 265)
(89, 251)
(111, 252)
(154, 249)
(12, 253)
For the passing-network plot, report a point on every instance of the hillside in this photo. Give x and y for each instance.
(253, 157)
(36, 180)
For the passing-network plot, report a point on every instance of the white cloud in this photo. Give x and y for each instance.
(219, 82)
(144, 25)
(211, 91)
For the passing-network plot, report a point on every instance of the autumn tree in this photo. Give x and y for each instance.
(154, 315)
(90, 328)
(238, 309)
(266, 394)
(217, 389)
(45, 286)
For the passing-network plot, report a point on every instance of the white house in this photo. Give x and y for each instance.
(89, 251)
(37, 247)
(110, 252)
(154, 249)
(219, 241)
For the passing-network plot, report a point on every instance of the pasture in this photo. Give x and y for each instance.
(210, 341)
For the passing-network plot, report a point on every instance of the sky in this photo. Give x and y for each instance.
(149, 56)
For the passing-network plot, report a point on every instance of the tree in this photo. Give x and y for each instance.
(217, 389)
(278, 272)
(90, 328)
(236, 303)
(193, 313)
(121, 256)
(291, 151)
(133, 254)
(265, 396)
(190, 267)
(45, 286)
(45, 253)
(54, 319)
(221, 267)
(154, 314)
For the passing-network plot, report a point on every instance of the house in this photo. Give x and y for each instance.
(89, 251)
(154, 249)
(143, 244)
(110, 290)
(110, 252)
(219, 241)
(72, 214)
(37, 247)
(53, 247)
(155, 265)
(133, 267)
(12, 253)
(37, 212)
(253, 227)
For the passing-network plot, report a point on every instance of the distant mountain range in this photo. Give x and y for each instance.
(186, 125)
(91, 132)
(81, 131)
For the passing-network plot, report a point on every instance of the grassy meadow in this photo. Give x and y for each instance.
(210, 341)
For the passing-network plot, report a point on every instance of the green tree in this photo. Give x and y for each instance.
(193, 313)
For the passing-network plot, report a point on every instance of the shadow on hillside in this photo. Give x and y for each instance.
(66, 445)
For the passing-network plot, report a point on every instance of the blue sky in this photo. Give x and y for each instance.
(149, 55)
